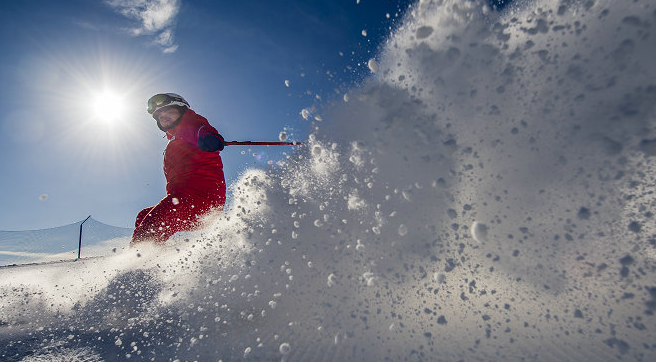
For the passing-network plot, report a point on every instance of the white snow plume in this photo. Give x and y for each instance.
(156, 17)
(531, 131)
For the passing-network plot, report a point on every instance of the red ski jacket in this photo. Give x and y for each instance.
(189, 168)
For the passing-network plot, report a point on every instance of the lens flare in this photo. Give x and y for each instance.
(107, 106)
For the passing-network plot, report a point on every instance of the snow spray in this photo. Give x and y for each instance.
(486, 194)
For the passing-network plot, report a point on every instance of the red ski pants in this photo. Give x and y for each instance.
(174, 213)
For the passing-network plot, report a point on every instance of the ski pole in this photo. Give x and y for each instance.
(254, 143)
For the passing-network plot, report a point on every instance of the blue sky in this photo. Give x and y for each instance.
(65, 156)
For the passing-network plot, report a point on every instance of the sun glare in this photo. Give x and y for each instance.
(107, 106)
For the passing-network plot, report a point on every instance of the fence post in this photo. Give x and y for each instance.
(79, 248)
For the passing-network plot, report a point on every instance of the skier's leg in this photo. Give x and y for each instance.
(141, 215)
(139, 225)
(160, 222)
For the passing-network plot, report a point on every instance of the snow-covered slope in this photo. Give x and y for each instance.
(486, 195)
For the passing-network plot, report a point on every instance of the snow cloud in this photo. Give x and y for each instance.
(156, 18)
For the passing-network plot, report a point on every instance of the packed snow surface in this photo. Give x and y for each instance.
(486, 195)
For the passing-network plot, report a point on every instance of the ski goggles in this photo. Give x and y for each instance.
(162, 100)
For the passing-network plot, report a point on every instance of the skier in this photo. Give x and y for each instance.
(195, 184)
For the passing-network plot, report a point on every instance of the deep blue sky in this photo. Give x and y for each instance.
(61, 160)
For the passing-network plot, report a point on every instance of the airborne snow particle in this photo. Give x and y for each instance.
(373, 65)
(479, 232)
(331, 280)
(43, 197)
(285, 348)
(354, 202)
(364, 33)
(403, 230)
(369, 278)
(287, 83)
(439, 277)
(305, 113)
(407, 195)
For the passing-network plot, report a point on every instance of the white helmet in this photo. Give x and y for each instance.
(159, 101)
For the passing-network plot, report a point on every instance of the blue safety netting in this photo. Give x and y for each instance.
(61, 243)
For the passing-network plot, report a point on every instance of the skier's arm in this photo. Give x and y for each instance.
(209, 140)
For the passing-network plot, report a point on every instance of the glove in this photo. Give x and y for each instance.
(211, 143)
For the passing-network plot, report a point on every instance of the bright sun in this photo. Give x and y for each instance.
(108, 106)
